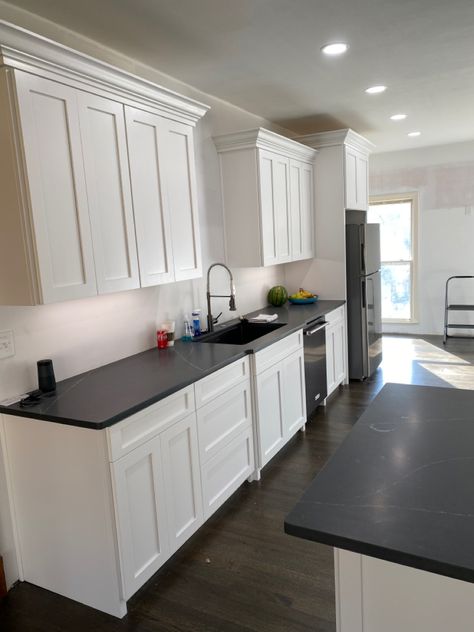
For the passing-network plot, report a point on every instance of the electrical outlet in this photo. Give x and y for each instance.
(7, 345)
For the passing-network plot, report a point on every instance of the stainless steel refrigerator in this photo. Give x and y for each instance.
(364, 303)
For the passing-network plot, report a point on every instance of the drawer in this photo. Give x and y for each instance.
(135, 430)
(336, 315)
(221, 381)
(224, 418)
(226, 471)
(277, 351)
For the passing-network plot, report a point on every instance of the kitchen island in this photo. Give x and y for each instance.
(397, 503)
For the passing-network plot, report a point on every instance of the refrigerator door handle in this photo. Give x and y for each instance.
(364, 302)
(362, 258)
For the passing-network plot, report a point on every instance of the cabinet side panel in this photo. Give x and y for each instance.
(241, 208)
(17, 278)
(396, 597)
(64, 510)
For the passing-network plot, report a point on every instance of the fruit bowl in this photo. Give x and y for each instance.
(303, 301)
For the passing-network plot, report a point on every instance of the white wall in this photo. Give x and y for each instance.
(444, 178)
(81, 335)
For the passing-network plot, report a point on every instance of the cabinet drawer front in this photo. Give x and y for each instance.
(221, 381)
(135, 430)
(226, 471)
(336, 315)
(224, 418)
(277, 351)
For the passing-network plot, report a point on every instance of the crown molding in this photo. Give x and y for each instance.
(23, 50)
(264, 139)
(337, 137)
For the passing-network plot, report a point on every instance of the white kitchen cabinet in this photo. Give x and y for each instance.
(177, 158)
(224, 473)
(302, 210)
(294, 394)
(152, 217)
(58, 228)
(182, 479)
(341, 184)
(68, 227)
(275, 207)
(356, 179)
(268, 201)
(140, 505)
(335, 349)
(105, 157)
(280, 396)
(270, 412)
(225, 431)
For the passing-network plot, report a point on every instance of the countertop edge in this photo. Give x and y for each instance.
(388, 555)
(255, 347)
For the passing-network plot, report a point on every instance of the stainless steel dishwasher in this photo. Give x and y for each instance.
(315, 364)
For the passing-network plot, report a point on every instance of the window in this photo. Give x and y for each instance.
(397, 215)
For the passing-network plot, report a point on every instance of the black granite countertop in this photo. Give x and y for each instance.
(102, 397)
(401, 486)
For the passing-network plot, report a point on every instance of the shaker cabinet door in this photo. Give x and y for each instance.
(176, 154)
(180, 457)
(330, 359)
(152, 222)
(294, 392)
(270, 412)
(55, 172)
(302, 209)
(141, 514)
(108, 187)
(274, 176)
(356, 179)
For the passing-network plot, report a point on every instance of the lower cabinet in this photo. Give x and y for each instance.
(158, 501)
(141, 514)
(280, 403)
(225, 435)
(226, 471)
(182, 479)
(335, 349)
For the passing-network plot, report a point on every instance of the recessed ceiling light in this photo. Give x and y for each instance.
(337, 48)
(376, 89)
(398, 117)
(414, 134)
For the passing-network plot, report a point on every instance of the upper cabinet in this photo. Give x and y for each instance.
(344, 154)
(268, 198)
(356, 179)
(97, 176)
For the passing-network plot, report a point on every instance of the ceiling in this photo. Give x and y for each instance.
(264, 56)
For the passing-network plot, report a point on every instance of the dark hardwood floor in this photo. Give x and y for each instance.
(240, 572)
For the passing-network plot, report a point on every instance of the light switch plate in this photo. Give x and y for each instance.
(7, 344)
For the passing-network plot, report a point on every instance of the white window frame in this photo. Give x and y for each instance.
(413, 199)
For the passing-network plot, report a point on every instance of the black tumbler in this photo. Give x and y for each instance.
(46, 379)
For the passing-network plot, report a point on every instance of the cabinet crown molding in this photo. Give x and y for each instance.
(337, 137)
(24, 50)
(264, 139)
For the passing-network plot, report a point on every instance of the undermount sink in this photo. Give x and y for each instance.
(240, 333)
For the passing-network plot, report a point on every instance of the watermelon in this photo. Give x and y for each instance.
(277, 295)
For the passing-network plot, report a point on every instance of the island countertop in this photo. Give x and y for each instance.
(401, 485)
(103, 396)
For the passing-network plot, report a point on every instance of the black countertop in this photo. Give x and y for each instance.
(102, 397)
(401, 486)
